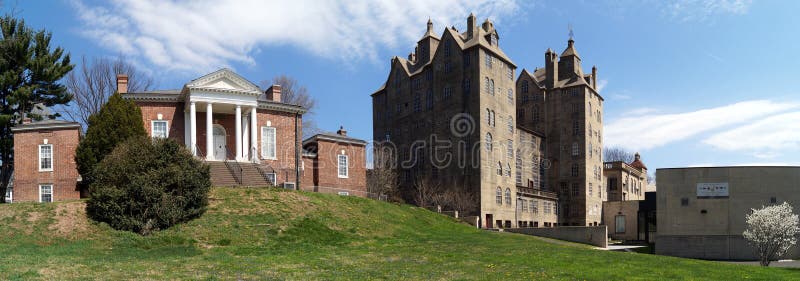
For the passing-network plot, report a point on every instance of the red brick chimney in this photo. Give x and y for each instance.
(122, 83)
(274, 93)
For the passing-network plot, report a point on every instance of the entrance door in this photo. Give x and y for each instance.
(219, 143)
(489, 221)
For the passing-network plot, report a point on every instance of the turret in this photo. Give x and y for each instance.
(570, 61)
(594, 77)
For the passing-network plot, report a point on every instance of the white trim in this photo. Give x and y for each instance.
(153, 128)
(264, 148)
(9, 194)
(51, 158)
(52, 198)
(339, 166)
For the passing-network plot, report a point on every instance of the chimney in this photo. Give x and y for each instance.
(551, 68)
(471, 26)
(122, 83)
(341, 131)
(274, 93)
(594, 77)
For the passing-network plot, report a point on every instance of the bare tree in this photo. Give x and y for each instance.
(427, 191)
(772, 230)
(95, 81)
(382, 180)
(612, 154)
(461, 200)
(294, 93)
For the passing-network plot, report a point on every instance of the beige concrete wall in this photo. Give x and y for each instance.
(592, 235)
(712, 228)
(630, 210)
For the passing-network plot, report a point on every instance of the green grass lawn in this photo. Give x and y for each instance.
(257, 234)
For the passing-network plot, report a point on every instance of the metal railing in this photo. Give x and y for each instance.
(233, 166)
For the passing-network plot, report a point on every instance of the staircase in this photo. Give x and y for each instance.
(221, 175)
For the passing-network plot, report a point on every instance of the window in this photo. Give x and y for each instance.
(510, 73)
(590, 150)
(574, 170)
(46, 193)
(684, 201)
(447, 47)
(488, 60)
(466, 59)
(448, 67)
(466, 85)
(486, 85)
(342, 166)
(498, 194)
(491, 118)
(159, 129)
(488, 117)
(417, 107)
(447, 92)
(489, 141)
(575, 190)
(534, 206)
(535, 113)
(576, 128)
(272, 178)
(518, 166)
(510, 124)
(510, 96)
(499, 169)
(525, 99)
(575, 149)
(508, 196)
(429, 99)
(268, 142)
(510, 149)
(619, 224)
(546, 207)
(491, 87)
(525, 87)
(46, 157)
(590, 189)
(508, 170)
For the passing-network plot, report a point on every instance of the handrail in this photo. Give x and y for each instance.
(199, 152)
(233, 166)
(254, 155)
(263, 174)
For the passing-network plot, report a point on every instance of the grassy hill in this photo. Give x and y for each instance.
(257, 234)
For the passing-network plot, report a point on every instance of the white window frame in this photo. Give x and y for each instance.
(50, 169)
(264, 147)
(52, 198)
(617, 225)
(153, 128)
(339, 166)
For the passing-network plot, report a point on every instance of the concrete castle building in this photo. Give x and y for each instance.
(460, 89)
(626, 181)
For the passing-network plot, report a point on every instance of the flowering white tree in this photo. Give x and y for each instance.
(772, 230)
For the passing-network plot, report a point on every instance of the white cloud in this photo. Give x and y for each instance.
(654, 130)
(765, 138)
(198, 36)
(702, 10)
(601, 84)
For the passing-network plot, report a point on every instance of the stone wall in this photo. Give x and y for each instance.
(592, 235)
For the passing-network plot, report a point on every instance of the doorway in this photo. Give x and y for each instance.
(220, 143)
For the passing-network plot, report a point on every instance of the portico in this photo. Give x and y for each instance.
(226, 105)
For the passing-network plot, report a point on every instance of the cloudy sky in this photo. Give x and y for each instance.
(686, 83)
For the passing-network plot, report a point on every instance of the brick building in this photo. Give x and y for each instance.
(44, 162)
(456, 88)
(334, 163)
(248, 137)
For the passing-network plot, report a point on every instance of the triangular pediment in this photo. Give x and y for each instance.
(224, 80)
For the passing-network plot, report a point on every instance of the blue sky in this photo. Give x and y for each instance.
(686, 83)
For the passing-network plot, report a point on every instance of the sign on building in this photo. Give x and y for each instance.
(712, 190)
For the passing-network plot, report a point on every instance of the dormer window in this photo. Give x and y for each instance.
(493, 39)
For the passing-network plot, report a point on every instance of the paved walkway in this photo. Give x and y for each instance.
(621, 248)
(782, 263)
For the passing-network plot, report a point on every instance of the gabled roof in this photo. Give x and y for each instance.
(570, 50)
(223, 80)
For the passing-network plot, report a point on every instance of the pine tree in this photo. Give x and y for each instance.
(117, 121)
(29, 74)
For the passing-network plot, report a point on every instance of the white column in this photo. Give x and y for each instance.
(238, 133)
(245, 139)
(253, 133)
(186, 138)
(209, 133)
(193, 128)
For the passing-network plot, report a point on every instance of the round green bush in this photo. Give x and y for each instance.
(146, 185)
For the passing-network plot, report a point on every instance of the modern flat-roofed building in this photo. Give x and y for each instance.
(701, 211)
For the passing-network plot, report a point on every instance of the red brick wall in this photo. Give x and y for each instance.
(327, 173)
(285, 143)
(308, 175)
(172, 112)
(64, 176)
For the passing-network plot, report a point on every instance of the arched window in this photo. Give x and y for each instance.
(487, 85)
(508, 170)
(575, 149)
(508, 196)
(518, 166)
(488, 117)
(498, 194)
(491, 87)
(510, 149)
(510, 124)
(499, 169)
(492, 118)
(590, 109)
(488, 141)
(510, 96)
(590, 150)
